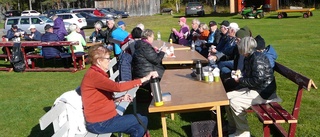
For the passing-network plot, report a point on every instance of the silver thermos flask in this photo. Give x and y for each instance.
(199, 70)
(156, 90)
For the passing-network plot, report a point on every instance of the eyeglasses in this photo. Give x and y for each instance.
(106, 58)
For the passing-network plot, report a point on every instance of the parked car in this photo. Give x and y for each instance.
(92, 20)
(73, 18)
(12, 13)
(24, 22)
(51, 12)
(30, 13)
(194, 8)
(121, 14)
(90, 10)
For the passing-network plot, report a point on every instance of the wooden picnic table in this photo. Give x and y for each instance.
(25, 44)
(159, 43)
(90, 44)
(184, 57)
(189, 95)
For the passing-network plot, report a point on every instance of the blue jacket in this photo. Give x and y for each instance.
(271, 53)
(10, 33)
(36, 37)
(50, 52)
(59, 29)
(118, 34)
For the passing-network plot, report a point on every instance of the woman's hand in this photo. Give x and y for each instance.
(126, 98)
(152, 74)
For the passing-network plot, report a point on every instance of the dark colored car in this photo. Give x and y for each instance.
(92, 20)
(49, 13)
(121, 14)
(194, 8)
(12, 13)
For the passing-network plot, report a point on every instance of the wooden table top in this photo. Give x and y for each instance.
(159, 43)
(184, 57)
(187, 93)
(90, 44)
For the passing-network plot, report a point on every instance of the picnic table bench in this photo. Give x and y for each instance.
(59, 110)
(77, 60)
(273, 114)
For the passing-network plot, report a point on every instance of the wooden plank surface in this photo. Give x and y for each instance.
(184, 57)
(90, 44)
(188, 94)
(263, 116)
(287, 116)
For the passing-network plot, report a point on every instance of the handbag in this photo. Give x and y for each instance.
(205, 128)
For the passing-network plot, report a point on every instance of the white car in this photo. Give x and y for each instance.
(73, 18)
(30, 13)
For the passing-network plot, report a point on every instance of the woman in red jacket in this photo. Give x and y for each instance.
(98, 100)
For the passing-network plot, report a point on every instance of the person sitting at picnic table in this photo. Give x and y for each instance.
(35, 34)
(269, 51)
(119, 34)
(183, 33)
(50, 51)
(75, 36)
(202, 38)
(15, 32)
(256, 86)
(96, 33)
(107, 33)
(97, 92)
(194, 32)
(146, 58)
(58, 28)
(213, 38)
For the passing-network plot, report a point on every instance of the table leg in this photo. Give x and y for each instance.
(172, 116)
(164, 125)
(219, 121)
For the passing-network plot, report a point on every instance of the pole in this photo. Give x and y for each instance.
(30, 4)
(19, 5)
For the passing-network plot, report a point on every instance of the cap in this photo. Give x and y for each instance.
(212, 23)
(225, 23)
(233, 25)
(121, 23)
(48, 26)
(183, 19)
(260, 43)
(32, 27)
(242, 33)
(246, 28)
(14, 26)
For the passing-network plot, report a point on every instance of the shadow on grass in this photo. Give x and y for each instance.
(37, 132)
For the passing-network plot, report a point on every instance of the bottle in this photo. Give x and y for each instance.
(170, 41)
(172, 49)
(156, 90)
(193, 46)
(94, 39)
(210, 76)
(159, 36)
(199, 70)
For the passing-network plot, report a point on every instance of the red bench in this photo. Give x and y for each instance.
(273, 114)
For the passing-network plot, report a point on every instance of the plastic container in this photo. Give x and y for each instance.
(158, 36)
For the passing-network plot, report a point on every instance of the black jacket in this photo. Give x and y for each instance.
(146, 59)
(258, 75)
(107, 34)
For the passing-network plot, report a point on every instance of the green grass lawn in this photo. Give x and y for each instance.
(25, 97)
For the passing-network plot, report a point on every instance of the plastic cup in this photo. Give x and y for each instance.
(206, 76)
(216, 78)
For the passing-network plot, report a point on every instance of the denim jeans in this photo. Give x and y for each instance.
(125, 124)
(225, 67)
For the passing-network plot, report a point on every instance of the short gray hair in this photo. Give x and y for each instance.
(72, 27)
(247, 45)
(147, 33)
(196, 21)
(97, 25)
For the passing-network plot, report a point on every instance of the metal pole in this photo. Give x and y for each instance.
(19, 5)
(30, 4)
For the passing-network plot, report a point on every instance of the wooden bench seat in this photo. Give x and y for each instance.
(274, 114)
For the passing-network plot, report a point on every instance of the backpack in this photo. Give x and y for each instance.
(17, 59)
